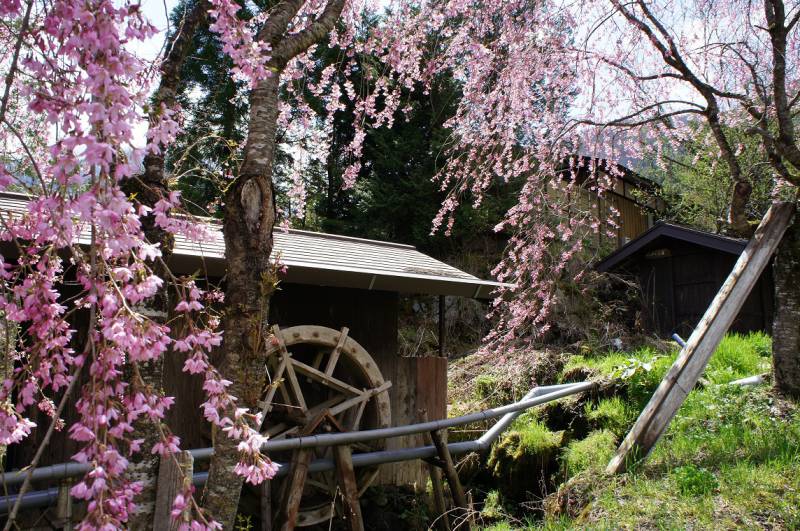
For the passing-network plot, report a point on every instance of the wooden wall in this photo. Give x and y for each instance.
(419, 392)
(680, 279)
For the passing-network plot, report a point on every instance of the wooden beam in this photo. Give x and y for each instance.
(266, 505)
(442, 329)
(64, 511)
(293, 490)
(687, 369)
(174, 476)
(337, 350)
(450, 472)
(346, 478)
(443, 520)
(292, 377)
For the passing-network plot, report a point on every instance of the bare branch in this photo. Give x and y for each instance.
(297, 43)
(12, 69)
(623, 121)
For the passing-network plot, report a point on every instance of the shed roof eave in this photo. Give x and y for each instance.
(670, 230)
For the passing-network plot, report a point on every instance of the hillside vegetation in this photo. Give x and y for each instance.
(730, 459)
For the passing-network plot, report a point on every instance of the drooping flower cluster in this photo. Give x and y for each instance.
(80, 274)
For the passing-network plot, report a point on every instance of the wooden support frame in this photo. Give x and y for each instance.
(439, 505)
(687, 369)
(450, 472)
(346, 478)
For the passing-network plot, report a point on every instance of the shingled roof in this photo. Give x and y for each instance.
(329, 260)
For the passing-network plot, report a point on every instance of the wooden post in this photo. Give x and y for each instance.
(442, 311)
(266, 505)
(687, 369)
(64, 506)
(438, 498)
(346, 477)
(293, 491)
(173, 478)
(459, 498)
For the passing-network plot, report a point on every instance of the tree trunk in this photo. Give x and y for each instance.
(249, 220)
(786, 323)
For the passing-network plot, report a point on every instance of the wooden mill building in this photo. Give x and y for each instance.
(631, 200)
(330, 281)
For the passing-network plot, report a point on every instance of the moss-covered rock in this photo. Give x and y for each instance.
(612, 414)
(524, 460)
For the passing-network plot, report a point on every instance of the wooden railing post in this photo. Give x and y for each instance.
(174, 476)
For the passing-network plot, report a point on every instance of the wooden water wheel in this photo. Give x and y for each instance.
(314, 371)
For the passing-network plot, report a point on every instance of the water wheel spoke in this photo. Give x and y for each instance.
(273, 387)
(325, 405)
(337, 351)
(318, 358)
(361, 398)
(295, 385)
(286, 358)
(325, 487)
(323, 378)
(327, 383)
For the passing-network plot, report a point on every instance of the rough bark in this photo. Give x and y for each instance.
(249, 220)
(786, 323)
(148, 188)
(737, 215)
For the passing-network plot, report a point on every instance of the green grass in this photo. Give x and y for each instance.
(591, 453)
(729, 460)
(612, 414)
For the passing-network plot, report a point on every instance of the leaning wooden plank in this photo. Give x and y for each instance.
(174, 476)
(691, 362)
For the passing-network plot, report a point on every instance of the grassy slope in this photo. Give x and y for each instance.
(731, 458)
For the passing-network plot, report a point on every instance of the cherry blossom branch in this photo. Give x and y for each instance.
(26, 484)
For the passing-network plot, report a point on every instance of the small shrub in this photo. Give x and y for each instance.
(611, 414)
(694, 481)
(485, 386)
(591, 453)
(492, 507)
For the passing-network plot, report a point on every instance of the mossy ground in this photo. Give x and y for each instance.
(730, 459)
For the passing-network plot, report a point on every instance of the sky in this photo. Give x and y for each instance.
(156, 11)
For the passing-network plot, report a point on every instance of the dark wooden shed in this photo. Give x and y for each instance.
(679, 270)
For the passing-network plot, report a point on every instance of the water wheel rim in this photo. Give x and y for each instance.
(351, 356)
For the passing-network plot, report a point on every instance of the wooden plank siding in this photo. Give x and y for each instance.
(679, 270)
